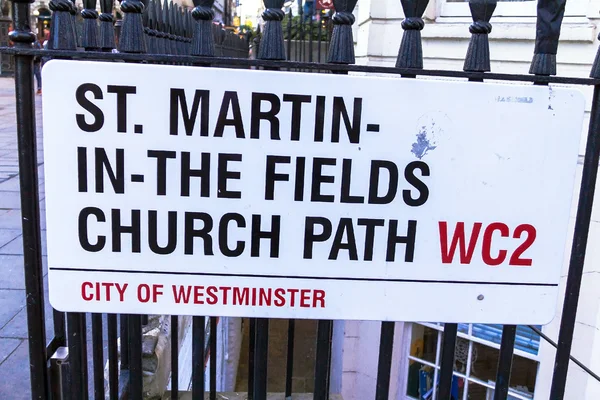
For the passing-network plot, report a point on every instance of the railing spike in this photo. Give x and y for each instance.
(341, 50)
(272, 46)
(165, 22)
(478, 53)
(145, 15)
(550, 14)
(410, 54)
(107, 32)
(176, 37)
(150, 28)
(172, 36)
(132, 39)
(89, 39)
(203, 42)
(187, 27)
(180, 38)
(159, 26)
(73, 13)
(172, 28)
(61, 26)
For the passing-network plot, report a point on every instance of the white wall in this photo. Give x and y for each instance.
(354, 357)
(445, 40)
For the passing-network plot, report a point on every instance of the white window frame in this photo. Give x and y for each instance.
(574, 8)
(436, 367)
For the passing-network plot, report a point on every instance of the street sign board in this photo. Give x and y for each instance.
(207, 191)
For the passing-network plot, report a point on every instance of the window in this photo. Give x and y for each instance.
(510, 8)
(475, 362)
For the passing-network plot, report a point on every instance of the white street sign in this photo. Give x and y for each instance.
(207, 191)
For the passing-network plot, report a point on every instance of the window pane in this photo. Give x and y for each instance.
(524, 372)
(420, 380)
(484, 362)
(457, 389)
(526, 340)
(512, 394)
(479, 392)
(423, 343)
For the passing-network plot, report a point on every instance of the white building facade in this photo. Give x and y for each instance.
(417, 347)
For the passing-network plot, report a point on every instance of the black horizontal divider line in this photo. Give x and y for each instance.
(289, 65)
(333, 278)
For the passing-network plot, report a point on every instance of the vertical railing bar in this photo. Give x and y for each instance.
(289, 33)
(329, 358)
(384, 367)
(447, 365)
(75, 358)
(98, 356)
(198, 337)
(251, 349)
(84, 358)
(113, 357)
(310, 35)
(297, 42)
(300, 39)
(30, 214)
(213, 357)
(505, 362)
(124, 341)
(174, 357)
(322, 361)
(580, 238)
(260, 359)
(320, 37)
(436, 374)
(60, 334)
(289, 372)
(135, 357)
(73, 12)
(329, 34)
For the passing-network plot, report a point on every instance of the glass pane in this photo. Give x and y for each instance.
(523, 375)
(479, 392)
(526, 340)
(461, 355)
(457, 389)
(512, 394)
(423, 343)
(420, 380)
(489, 332)
(484, 362)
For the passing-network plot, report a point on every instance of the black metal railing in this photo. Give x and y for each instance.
(155, 32)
